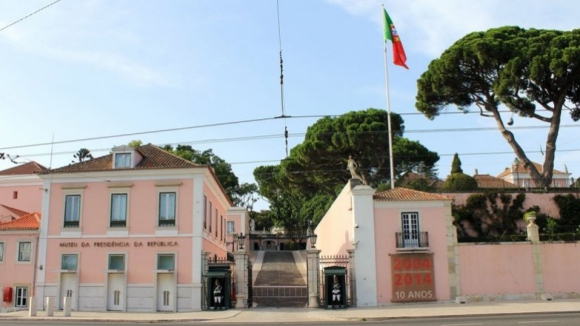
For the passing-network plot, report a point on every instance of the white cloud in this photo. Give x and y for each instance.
(431, 26)
(77, 41)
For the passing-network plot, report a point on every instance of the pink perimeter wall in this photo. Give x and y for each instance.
(561, 267)
(496, 269)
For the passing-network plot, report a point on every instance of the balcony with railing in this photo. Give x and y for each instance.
(412, 240)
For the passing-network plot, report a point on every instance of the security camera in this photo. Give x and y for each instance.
(356, 225)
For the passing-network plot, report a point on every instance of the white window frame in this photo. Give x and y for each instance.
(410, 229)
(159, 200)
(231, 227)
(114, 210)
(167, 186)
(210, 217)
(122, 160)
(76, 208)
(205, 212)
(167, 254)
(21, 300)
(19, 252)
(117, 255)
(76, 262)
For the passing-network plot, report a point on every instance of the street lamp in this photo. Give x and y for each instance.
(241, 238)
(313, 238)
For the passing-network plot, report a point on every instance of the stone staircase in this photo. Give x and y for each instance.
(280, 279)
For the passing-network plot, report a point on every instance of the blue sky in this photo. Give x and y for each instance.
(95, 68)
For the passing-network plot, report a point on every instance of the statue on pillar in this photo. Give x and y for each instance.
(351, 165)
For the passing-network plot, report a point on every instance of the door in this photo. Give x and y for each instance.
(115, 295)
(68, 284)
(165, 289)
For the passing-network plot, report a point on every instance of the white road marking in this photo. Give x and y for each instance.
(461, 324)
(539, 321)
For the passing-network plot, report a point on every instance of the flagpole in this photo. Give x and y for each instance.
(388, 100)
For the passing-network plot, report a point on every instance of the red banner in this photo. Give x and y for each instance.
(412, 277)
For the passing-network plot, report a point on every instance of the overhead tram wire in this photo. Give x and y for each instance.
(262, 136)
(23, 18)
(282, 103)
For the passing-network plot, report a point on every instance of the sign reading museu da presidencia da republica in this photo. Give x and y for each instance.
(116, 244)
(412, 277)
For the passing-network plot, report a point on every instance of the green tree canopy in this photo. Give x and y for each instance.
(520, 69)
(243, 195)
(315, 171)
(457, 180)
(320, 161)
(456, 164)
(82, 155)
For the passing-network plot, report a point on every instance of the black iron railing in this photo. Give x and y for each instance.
(412, 240)
(71, 224)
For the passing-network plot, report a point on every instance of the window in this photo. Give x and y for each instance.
(410, 226)
(69, 262)
(24, 251)
(210, 216)
(15, 195)
(221, 227)
(1, 252)
(166, 262)
(21, 296)
(166, 209)
(72, 211)
(231, 228)
(118, 210)
(117, 262)
(216, 222)
(122, 160)
(205, 212)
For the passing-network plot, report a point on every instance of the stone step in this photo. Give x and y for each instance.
(278, 268)
(280, 302)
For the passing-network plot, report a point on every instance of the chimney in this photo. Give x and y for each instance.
(476, 172)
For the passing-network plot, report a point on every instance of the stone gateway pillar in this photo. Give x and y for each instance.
(241, 257)
(312, 275)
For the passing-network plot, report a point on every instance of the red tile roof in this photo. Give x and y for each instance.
(154, 157)
(26, 222)
(488, 181)
(521, 169)
(28, 168)
(404, 194)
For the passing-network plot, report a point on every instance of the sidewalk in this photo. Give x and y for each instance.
(305, 315)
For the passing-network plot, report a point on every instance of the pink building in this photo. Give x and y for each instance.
(18, 241)
(518, 175)
(127, 231)
(20, 194)
(401, 244)
(20, 190)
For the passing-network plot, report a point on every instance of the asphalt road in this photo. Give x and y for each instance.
(567, 319)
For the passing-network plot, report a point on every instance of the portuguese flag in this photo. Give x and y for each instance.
(399, 57)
